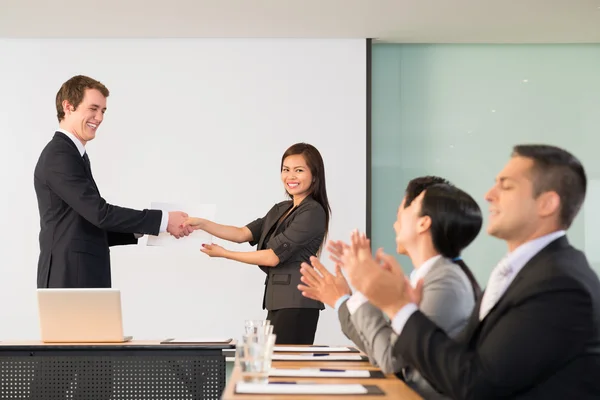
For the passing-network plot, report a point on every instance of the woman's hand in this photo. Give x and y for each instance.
(213, 250)
(193, 223)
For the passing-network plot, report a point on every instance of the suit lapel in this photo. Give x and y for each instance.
(271, 222)
(522, 280)
(87, 167)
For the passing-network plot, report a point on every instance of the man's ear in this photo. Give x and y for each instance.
(67, 107)
(548, 204)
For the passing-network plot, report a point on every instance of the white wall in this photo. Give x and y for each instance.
(189, 121)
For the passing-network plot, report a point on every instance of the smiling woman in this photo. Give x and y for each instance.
(288, 235)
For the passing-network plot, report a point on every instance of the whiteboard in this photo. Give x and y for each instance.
(190, 121)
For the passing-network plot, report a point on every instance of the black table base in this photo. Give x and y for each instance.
(125, 374)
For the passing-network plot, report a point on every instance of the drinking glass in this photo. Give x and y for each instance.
(253, 355)
(257, 326)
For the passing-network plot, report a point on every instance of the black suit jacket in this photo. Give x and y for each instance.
(294, 240)
(540, 341)
(77, 225)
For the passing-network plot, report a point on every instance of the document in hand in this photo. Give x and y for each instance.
(196, 238)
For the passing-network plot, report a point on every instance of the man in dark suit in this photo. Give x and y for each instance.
(77, 226)
(535, 333)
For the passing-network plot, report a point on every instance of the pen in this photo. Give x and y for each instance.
(331, 370)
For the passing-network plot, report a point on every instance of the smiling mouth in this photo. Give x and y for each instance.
(293, 185)
(92, 126)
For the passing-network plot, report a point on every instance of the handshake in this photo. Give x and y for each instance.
(180, 224)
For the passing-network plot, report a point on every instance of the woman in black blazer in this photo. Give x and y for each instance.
(288, 235)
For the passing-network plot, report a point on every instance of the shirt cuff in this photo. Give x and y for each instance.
(164, 221)
(402, 316)
(341, 301)
(357, 300)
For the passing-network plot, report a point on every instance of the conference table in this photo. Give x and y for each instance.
(130, 370)
(388, 386)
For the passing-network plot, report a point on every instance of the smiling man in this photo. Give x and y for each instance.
(77, 225)
(535, 334)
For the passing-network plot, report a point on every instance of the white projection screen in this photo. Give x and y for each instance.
(194, 121)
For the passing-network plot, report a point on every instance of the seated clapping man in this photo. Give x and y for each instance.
(435, 222)
(535, 334)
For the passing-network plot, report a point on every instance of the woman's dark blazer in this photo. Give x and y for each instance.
(294, 241)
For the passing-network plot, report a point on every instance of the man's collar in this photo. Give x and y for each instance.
(77, 142)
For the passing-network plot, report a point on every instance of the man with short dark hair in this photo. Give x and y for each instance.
(77, 225)
(535, 333)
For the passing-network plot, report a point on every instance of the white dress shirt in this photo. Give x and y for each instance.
(517, 259)
(165, 215)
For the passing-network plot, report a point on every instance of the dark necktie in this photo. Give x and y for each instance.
(86, 159)
(88, 167)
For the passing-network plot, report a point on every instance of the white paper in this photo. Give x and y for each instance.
(300, 388)
(317, 373)
(311, 349)
(202, 340)
(196, 238)
(311, 357)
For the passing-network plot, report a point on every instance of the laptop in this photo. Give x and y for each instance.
(81, 316)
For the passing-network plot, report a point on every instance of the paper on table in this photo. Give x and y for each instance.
(311, 357)
(317, 388)
(196, 238)
(320, 373)
(311, 349)
(201, 340)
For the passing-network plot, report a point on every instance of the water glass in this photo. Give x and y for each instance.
(253, 355)
(258, 326)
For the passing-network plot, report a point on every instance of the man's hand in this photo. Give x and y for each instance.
(357, 261)
(321, 285)
(336, 248)
(175, 226)
(381, 281)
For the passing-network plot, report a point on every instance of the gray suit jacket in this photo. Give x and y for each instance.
(294, 240)
(448, 301)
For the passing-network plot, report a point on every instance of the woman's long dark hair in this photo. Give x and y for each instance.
(314, 161)
(455, 222)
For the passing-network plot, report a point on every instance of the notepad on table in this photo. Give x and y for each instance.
(317, 357)
(306, 388)
(314, 349)
(323, 373)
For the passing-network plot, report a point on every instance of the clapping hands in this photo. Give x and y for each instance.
(379, 278)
